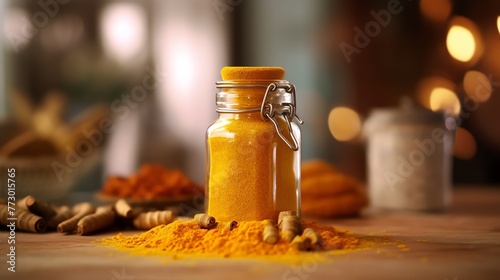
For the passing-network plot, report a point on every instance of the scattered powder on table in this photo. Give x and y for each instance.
(186, 240)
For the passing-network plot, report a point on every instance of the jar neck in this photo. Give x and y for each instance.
(271, 100)
(248, 96)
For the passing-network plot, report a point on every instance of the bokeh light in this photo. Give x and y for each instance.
(498, 24)
(436, 10)
(123, 30)
(463, 40)
(344, 123)
(465, 144)
(15, 20)
(477, 86)
(460, 43)
(443, 99)
(427, 85)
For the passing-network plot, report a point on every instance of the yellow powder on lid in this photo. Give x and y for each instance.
(188, 240)
(252, 73)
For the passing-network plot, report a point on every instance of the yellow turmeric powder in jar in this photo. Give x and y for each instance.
(253, 172)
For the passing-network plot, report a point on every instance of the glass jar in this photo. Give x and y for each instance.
(253, 148)
(409, 159)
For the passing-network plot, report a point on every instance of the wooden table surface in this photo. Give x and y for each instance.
(461, 244)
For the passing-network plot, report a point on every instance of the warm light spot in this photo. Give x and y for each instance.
(123, 30)
(183, 65)
(17, 29)
(498, 24)
(437, 10)
(443, 99)
(465, 145)
(477, 86)
(460, 43)
(427, 85)
(344, 123)
(464, 42)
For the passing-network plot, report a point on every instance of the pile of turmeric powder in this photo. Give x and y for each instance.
(151, 181)
(186, 239)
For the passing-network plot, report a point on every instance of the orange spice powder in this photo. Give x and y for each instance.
(188, 240)
(151, 181)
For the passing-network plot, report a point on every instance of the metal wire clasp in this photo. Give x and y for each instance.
(270, 110)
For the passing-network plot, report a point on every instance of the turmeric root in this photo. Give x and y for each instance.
(315, 238)
(21, 203)
(103, 217)
(302, 244)
(205, 221)
(152, 219)
(283, 214)
(183, 219)
(26, 221)
(124, 209)
(227, 225)
(270, 234)
(63, 213)
(39, 208)
(81, 210)
(290, 227)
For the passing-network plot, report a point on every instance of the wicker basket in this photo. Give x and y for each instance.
(37, 177)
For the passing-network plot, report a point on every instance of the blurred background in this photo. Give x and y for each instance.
(98, 87)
